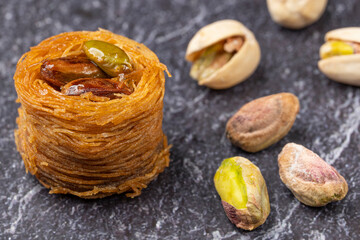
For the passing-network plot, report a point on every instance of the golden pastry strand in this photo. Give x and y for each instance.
(87, 145)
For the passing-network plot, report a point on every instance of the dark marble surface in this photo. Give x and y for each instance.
(182, 203)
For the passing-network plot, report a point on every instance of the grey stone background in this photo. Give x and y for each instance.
(182, 203)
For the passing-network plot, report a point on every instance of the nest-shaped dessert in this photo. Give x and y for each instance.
(91, 146)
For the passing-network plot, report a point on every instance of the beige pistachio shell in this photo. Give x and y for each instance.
(313, 181)
(240, 66)
(351, 34)
(263, 121)
(296, 14)
(343, 69)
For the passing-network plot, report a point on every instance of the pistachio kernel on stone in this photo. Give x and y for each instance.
(243, 192)
(263, 121)
(313, 181)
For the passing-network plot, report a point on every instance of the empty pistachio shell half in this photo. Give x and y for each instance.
(313, 181)
(263, 121)
(243, 192)
(296, 14)
(340, 55)
(223, 54)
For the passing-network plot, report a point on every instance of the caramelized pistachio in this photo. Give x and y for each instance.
(60, 71)
(110, 58)
(98, 86)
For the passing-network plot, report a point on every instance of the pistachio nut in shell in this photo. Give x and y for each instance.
(296, 14)
(263, 121)
(223, 54)
(243, 192)
(340, 55)
(313, 181)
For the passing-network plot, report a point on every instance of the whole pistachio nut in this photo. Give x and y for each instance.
(110, 58)
(296, 14)
(243, 192)
(340, 55)
(263, 121)
(223, 54)
(313, 181)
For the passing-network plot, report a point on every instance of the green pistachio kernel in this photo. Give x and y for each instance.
(230, 184)
(335, 48)
(210, 61)
(110, 58)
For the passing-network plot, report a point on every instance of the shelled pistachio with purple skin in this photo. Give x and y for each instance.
(243, 192)
(263, 121)
(313, 181)
(223, 54)
(296, 14)
(340, 55)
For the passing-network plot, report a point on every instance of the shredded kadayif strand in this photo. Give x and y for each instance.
(87, 145)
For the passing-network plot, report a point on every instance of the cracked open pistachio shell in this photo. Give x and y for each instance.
(296, 14)
(223, 54)
(313, 181)
(243, 192)
(340, 55)
(263, 121)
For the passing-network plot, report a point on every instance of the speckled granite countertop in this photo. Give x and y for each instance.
(182, 203)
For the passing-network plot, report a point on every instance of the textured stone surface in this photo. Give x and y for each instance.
(182, 203)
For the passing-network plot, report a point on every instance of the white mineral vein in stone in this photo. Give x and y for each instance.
(199, 98)
(316, 235)
(195, 229)
(283, 225)
(23, 202)
(344, 105)
(181, 31)
(217, 235)
(315, 218)
(346, 129)
(194, 170)
(151, 37)
(223, 140)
